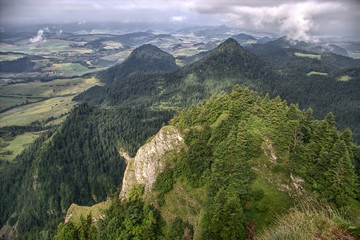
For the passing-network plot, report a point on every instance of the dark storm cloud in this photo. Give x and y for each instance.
(295, 18)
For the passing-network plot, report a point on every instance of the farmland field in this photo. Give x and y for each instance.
(57, 99)
(17, 145)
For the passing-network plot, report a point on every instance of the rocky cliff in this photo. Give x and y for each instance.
(148, 163)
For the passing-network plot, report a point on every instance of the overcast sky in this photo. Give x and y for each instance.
(295, 18)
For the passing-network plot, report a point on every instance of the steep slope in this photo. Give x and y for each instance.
(147, 164)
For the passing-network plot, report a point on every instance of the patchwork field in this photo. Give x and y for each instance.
(45, 47)
(56, 99)
(10, 57)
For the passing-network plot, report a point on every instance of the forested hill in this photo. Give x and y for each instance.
(323, 81)
(224, 67)
(299, 77)
(144, 59)
(245, 158)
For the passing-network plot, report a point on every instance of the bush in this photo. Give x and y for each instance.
(164, 181)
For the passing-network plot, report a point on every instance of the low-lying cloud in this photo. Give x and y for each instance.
(39, 37)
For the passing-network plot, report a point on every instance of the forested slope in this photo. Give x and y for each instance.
(247, 158)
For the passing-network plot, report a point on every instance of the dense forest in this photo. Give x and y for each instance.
(228, 139)
(79, 161)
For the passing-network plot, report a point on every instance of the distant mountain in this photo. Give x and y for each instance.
(244, 39)
(227, 65)
(320, 48)
(144, 59)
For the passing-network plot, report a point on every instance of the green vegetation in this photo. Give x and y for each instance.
(312, 56)
(310, 220)
(75, 212)
(234, 173)
(268, 204)
(323, 93)
(16, 146)
(228, 138)
(51, 100)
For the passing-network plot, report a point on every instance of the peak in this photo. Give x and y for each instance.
(147, 47)
(149, 52)
(228, 44)
(229, 41)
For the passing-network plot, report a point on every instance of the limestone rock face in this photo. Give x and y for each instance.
(147, 164)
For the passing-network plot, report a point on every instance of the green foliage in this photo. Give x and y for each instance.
(67, 232)
(244, 125)
(132, 219)
(179, 230)
(310, 219)
(164, 181)
(136, 192)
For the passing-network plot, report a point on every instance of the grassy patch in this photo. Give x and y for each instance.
(355, 210)
(310, 219)
(109, 45)
(39, 111)
(6, 102)
(274, 202)
(10, 57)
(17, 145)
(119, 57)
(54, 88)
(97, 211)
(43, 48)
(60, 93)
(184, 202)
(313, 56)
(70, 69)
(344, 78)
(316, 73)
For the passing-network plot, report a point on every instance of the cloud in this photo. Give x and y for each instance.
(178, 18)
(296, 19)
(39, 37)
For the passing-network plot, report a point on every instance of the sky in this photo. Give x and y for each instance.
(299, 19)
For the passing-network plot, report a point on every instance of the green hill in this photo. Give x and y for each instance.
(248, 158)
(144, 59)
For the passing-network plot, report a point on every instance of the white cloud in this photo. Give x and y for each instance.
(178, 18)
(39, 37)
(294, 18)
